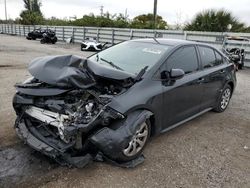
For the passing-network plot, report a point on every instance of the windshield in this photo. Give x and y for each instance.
(131, 56)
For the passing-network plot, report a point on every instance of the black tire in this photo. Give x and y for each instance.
(124, 158)
(240, 66)
(55, 40)
(224, 99)
(42, 41)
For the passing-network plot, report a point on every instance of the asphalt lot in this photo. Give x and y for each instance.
(211, 151)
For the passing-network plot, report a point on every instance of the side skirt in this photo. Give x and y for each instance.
(185, 120)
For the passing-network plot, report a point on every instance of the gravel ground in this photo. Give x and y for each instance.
(211, 151)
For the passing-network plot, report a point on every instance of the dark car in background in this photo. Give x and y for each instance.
(35, 34)
(111, 103)
(49, 37)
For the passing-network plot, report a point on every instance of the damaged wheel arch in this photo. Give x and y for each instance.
(114, 139)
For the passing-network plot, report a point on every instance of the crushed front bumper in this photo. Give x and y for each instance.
(61, 155)
(99, 144)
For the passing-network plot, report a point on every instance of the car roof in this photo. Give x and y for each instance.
(164, 41)
(237, 38)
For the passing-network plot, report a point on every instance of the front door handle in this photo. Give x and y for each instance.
(222, 71)
(200, 80)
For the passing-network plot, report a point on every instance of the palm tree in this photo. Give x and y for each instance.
(32, 14)
(214, 20)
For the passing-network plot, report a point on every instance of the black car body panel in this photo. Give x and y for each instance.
(95, 107)
(41, 91)
(72, 71)
(61, 71)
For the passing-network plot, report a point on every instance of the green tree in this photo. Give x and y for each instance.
(214, 20)
(33, 5)
(31, 18)
(95, 21)
(57, 21)
(145, 21)
(32, 14)
(121, 21)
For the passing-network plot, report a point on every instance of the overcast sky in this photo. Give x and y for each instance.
(173, 11)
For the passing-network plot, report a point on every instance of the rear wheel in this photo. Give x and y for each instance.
(224, 99)
(42, 41)
(54, 40)
(240, 66)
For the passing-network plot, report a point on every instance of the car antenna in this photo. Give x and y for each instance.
(156, 40)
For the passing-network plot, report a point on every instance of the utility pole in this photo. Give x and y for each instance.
(101, 9)
(5, 6)
(126, 14)
(155, 13)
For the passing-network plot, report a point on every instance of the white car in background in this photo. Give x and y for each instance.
(92, 45)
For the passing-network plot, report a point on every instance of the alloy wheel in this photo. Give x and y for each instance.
(225, 98)
(137, 142)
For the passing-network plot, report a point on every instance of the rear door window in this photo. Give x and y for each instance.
(219, 58)
(208, 58)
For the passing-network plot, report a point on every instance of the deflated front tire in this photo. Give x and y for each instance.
(124, 140)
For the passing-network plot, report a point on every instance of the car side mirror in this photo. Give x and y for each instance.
(176, 74)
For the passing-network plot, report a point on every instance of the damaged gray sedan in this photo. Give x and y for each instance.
(107, 106)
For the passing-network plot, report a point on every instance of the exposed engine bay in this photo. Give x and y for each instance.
(75, 108)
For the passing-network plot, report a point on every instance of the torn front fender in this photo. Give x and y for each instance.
(112, 141)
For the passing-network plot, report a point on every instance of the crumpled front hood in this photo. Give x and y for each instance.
(72, 71)
(61, 71)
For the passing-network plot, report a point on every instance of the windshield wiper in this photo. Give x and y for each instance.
(156, 40)
(140, 74)
(111, 63)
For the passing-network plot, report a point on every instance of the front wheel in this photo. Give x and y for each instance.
(137, 143)
(224, 99)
